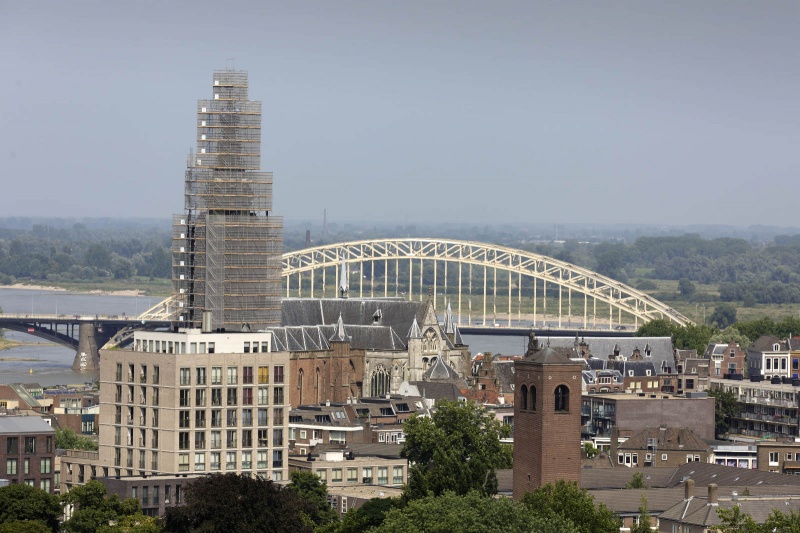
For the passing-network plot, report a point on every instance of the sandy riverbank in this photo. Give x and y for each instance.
(124, 292)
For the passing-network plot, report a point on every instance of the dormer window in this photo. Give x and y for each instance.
(776, 347)
(647, 372)
(630, 373)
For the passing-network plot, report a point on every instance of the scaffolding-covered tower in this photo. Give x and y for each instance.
(227, 245)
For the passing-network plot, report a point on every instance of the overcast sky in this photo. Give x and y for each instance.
(597, 112)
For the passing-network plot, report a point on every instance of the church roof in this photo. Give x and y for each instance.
(396, 313)
(314, 338)
(440, 371)
(551, 356)
(414, 332)
(338, 333)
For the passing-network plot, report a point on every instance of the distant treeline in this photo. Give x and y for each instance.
(80, 252)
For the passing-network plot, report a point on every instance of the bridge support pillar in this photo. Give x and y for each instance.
(87, 358)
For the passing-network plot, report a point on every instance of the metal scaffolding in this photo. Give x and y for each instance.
(227, 245)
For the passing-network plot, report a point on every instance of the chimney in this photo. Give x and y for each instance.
(712, 494)
(688, 490)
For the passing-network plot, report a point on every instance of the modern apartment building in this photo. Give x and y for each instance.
(766, 410)
(27, 451)
(194, 402)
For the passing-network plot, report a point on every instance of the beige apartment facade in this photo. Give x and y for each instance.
(194, 403)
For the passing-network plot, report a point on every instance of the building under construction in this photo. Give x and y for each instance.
(227, 245)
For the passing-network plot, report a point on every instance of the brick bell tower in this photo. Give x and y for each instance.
(547, 418)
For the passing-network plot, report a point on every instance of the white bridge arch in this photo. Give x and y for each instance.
(403, 262)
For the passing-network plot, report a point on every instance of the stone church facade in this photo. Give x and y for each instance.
(345, 348)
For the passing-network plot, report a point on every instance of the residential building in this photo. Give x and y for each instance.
(27, 451)
(770, 357)
(660, 446)
(782, 457)
(366, 464)
(726, 359)
(766, 410)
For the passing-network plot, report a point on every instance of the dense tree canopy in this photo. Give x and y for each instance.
(457, 449)
(725, 408)
(232, 502)
(23, 506)
(308, 486)
(96, 511)
(67, 439)
(567, 500)
(450, 512)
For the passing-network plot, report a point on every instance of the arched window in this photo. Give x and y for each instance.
(300, 384)
(562, 398)
(379, 383)
(533, 397)
(524, 394)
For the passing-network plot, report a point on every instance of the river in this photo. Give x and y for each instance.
(51, 364)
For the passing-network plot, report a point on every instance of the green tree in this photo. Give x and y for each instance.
(233, 502)
(693, 337)
(660, 327)
(371, 514)
(733, 520)
(723, 316)
(636, 481)
(23, 503)
(726, 406)
(779, 522)
(567, 500)
(731, 333)
(686, 288)
(457, 449)
(474, 511)
(95, 510)
(308, 486)
(643, 525)
(24, 526)
(67, 439)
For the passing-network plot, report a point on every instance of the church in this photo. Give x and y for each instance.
(344, 348)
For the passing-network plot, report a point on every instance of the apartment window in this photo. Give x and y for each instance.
(231, 397)
(247, 460)
(183, 462)
(155, 418)
(216, 440)
(383, 475)
(230, 417)
(44, 484)
(117, 457)
(277, 458)
(216, 418)
(199, 461)
(774, 457)
(337, 437)
(30, 444)
(230, 461)
(277, 437)
(185, 376)
(263, 375)
(215, 461)
(233, 375)
(247, 438)
(277, 395)
(130, 368)
(263, 396)
(155, 461)
(155, 396)
(246, 347)
(279, 374)
(11, 467)
(201, 376)
(263, 438)
(277, 416)
(184, 396)
(216, 375)
(183, 440)
(230, 440)
(247, 417)
(261, 458)
(119, 372)
(352, 475)
(44, 465)
(247, 396)
(367, 475)
(247, 375)
(183, 419)
(199, 440)
(12, 445)
(783, 364)
(199, 398)
(155, 439)
(216, 397)
(397, 475)
(155, 375)
(336, 475)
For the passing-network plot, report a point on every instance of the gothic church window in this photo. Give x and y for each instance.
(379, 383)
(524, 393)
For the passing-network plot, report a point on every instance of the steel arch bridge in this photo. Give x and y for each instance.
(576, 295)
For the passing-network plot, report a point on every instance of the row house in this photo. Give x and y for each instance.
(726, 359)
(771, 357)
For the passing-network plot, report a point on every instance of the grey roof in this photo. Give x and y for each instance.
(314, 338)
(661, 353)
(616, 478)
(396, 313)
(504, 372)
(551, 356)
(705, 473)
(765, 343)
(440, 371)
(697, 511)
(437, 390)
(24, 424)
(633, 368)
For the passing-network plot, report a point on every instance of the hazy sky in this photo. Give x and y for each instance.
(600, 112)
